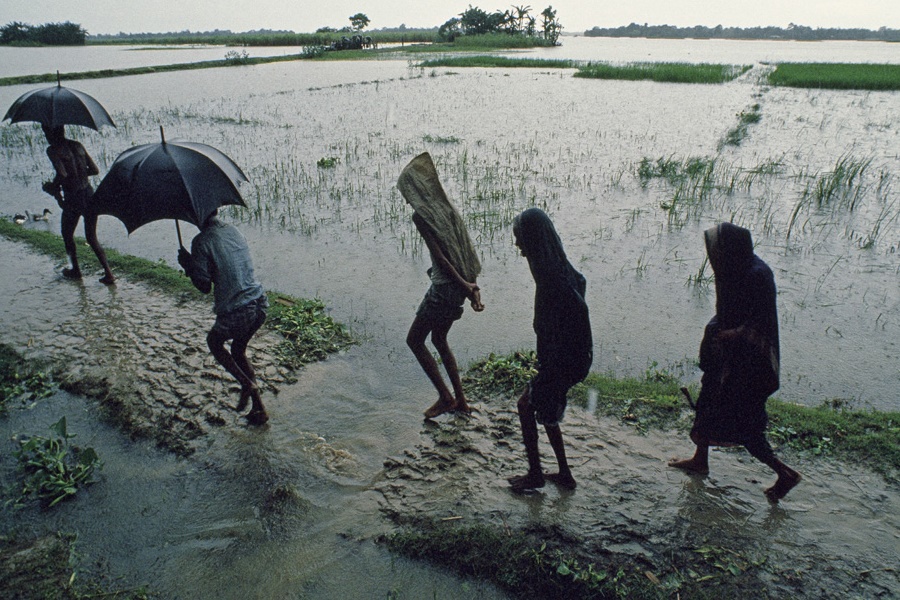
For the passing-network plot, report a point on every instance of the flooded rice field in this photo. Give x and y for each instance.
(291, 511)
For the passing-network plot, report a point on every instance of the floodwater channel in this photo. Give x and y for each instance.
(217, 524)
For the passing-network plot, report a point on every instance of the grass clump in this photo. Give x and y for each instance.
(309, 333)
(54, 469)
(837, 76)
(502, 374)
(499, 61)
(736, 135)
(663, 72)
(21, 379)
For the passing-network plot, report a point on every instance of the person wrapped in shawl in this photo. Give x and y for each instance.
(454, 268)
(565, 347)
(739, 357)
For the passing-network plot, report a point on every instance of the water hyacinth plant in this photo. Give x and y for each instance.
(54, 469)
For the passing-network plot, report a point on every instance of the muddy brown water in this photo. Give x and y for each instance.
(291, 511)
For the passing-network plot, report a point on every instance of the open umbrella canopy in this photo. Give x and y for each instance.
(58, 105)
(178, 180)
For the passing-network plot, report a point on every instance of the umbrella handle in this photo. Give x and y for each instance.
(178, 229)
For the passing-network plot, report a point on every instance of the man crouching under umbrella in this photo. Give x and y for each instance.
(220, 260)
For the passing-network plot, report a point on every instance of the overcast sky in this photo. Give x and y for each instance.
(136, 16)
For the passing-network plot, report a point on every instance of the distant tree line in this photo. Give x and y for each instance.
(517, 21)
(792, 32)
(48, 34)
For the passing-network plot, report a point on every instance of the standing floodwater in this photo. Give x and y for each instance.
(322, 145)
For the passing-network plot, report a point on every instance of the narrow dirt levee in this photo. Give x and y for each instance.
(834, 536)
(140, 351)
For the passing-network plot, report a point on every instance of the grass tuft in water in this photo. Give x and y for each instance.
(499, 61)
(663, 72)
(837, 76)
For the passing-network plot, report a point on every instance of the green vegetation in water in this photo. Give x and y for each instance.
(328, 162)
(539, 562)
(439, 139)
(20, 378)
(54, 469)
(837, 76)
(736, 135)
(663, 72)
(654, 401)
(309, 334)
(499, 61)
(45, 568)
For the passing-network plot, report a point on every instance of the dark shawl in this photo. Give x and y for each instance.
(565, 348)
(741, 373)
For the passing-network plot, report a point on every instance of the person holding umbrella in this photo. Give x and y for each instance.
(71, 187)
(220, 261)
(54, 107)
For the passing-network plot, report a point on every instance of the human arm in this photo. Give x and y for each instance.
(197, 275)
(89, 163)
(473, 292)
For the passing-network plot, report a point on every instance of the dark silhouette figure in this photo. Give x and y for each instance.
(739, 357)
(72, 190)
(564, 345)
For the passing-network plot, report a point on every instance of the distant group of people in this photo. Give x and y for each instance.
(739, 352)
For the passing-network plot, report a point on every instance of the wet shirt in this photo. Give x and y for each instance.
(221, 255)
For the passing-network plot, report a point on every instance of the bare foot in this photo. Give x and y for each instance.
(463, 406)
(440, 407)
(691, 465)
(563, 480)
(528, 481)
(71, 273)
(108, 280)
(244, 400)
(257, 417)
(782, 486)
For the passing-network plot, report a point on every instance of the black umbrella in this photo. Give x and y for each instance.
(58, 105)
(178, 180)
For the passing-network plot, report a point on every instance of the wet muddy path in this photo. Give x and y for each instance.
(292, 510)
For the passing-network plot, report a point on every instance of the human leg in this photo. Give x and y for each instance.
(90, 233)
(439, 339)
(699, 463)
(534, 478)
(415, 339)
(257, 414)
(68, 222)
(564, 477)
(788, 478)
